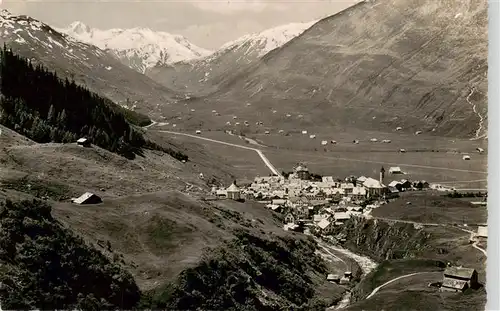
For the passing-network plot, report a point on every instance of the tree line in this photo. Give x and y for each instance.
(44, 265)
(38, 104)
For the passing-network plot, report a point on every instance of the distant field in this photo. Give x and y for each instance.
(343, 160)
(428, 207)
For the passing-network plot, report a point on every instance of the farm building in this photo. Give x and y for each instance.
(333, 278)
(406, 184)
(84, 142)
(325, 226)
(280, 202)
(289, 219)
(87, 198)
(358, 193)
(341, 217)
(233, 192)
(459, 279)
(394, 184)
(395, 170)
(482, 232)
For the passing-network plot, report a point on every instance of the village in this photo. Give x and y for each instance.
(315, 204)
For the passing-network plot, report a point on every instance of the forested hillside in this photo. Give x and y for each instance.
(45, 266)
(37, 104)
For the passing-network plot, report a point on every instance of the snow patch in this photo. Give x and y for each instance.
(268, 40)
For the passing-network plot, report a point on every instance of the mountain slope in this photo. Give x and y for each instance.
(419, 64)
(201, 76)
(138, 48)
(86, 64)
(184, 252)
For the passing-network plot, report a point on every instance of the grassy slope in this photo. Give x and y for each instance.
(433, 208)
(147, 215)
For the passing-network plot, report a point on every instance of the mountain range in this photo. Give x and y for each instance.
(203, 75)
(86, 64)
(420, 65)
(138, 48)
(176, 62)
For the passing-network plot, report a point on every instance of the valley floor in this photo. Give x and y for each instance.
(445, 167)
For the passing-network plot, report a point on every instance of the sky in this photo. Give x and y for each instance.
(206, 23)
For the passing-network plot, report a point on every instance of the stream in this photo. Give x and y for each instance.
(365, 263)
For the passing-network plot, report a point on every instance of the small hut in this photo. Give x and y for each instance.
(87, 198)
(84, 142)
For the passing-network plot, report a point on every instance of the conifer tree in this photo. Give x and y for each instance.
(51, 114)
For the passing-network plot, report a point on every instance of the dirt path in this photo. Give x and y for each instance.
(392, 281)
(480, 249)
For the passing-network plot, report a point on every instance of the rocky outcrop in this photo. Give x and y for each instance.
(383, 240)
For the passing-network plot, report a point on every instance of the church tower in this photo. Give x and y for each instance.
(382, 175)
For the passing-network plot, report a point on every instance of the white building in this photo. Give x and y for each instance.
(233, 192)
(395, 170)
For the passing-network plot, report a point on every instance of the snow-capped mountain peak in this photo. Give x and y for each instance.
(269, 39)
(140, 48)
(79, 27)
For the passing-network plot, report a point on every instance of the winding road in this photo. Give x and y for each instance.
(394, 280)
(259, 152)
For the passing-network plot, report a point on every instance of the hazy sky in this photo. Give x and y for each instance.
(207, 23)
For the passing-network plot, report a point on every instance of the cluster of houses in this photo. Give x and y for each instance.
(319, 204)
(300, 184)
